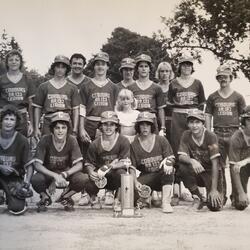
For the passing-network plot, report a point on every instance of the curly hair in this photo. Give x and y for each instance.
(10, 109)
(78, 56)
(14, 53)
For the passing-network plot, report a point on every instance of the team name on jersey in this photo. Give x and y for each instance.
(58, 160)
(225, 108)
(186, 97)
(7, 160)
(15, 94)
(109, 158)
(152, 163)
(57, 100)
(143, 101)
(101, 99)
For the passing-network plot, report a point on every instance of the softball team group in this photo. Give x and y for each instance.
(89, 131)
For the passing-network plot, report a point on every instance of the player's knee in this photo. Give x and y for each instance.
(78, 181)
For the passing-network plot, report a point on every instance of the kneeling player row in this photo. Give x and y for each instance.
(59, 163)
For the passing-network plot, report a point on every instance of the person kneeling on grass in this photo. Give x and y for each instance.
(199, 162)
(58, 162)
(105, 158)
(15, 161)
(239, 159)
(153, 156)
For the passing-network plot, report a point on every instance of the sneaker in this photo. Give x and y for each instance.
(186, 197)
(18, 212)
(68, 204)
(95, 203)
(175, 200)
(43, 204)
(197, 203)
(167, 208)
(84, 200)
(109, 199)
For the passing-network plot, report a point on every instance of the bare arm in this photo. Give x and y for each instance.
(161, 115)
(37, 116)
(208, 121)
(75, 120)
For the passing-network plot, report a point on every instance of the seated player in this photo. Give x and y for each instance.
(58, 162)
(239, 159)
(15, 161)
(199, 162)
(126, 113)
(106, 156)
(153, 156)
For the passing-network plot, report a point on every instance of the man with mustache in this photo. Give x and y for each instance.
(225, 106)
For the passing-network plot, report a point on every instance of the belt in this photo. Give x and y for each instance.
(185, 111)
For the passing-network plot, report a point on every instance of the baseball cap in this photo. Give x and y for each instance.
(109, 116)
(198, 114)
(246, 112)
(143, 58)
(224, 70)
(127, 63)
(145, 117)
(60, 116)
(185, 58)
(62, 59)
(102, 56)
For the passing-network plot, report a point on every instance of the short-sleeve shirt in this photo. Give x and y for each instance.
(186, 98)
(98, 99)
(168, 108)
(148, 162)
(239, 147)
(84, 80)
(52, 99)
(121, 86)
(17, 154)
(97, 156)
(149, 99)
(54, 160)
(203, 153)
(18, 93)
(225, 111)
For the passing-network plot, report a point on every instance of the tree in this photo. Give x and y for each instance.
(219, 26)
(8, 43)
(125, 43)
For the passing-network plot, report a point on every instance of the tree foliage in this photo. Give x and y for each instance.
(219, 26)
(8, 43)
(125, 43)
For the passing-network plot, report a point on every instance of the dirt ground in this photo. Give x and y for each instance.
(87, 229)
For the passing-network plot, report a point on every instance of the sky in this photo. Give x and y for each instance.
(46, 28)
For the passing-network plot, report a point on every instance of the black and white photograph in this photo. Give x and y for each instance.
(124, 124)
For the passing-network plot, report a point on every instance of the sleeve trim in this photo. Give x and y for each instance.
(182, 153)
(36, 105)
(77, 160)
(214, 156)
